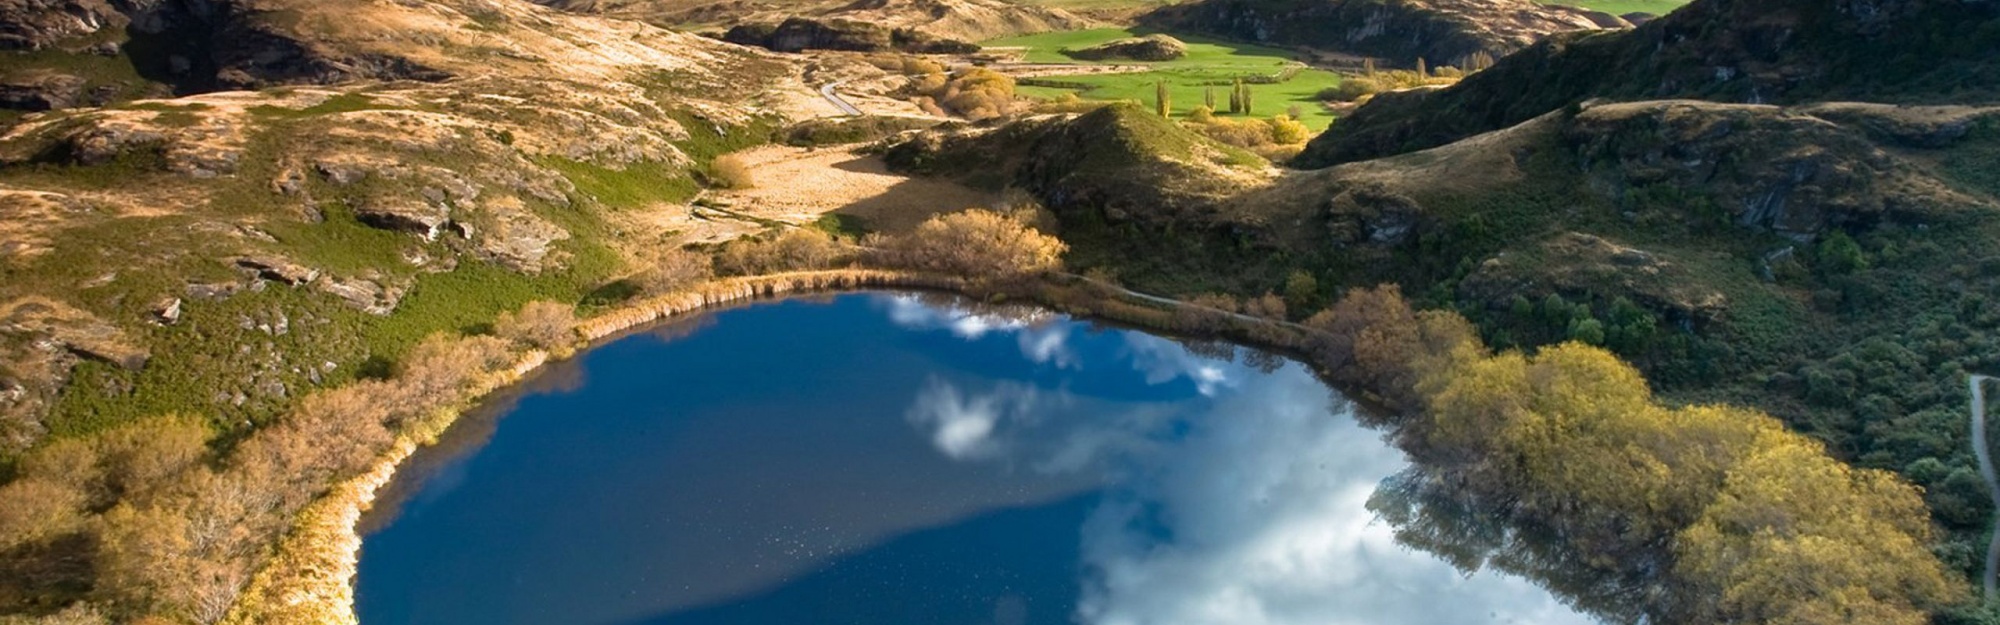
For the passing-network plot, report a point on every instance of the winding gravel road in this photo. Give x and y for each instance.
(1979, 448)
(838, 102)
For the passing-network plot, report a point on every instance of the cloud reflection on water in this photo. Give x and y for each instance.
(1247, 507)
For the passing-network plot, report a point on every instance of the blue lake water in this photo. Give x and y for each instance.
(889, 459)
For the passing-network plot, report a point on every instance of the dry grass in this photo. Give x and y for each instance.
(799, 185)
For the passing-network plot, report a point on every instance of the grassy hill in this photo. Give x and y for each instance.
(1910, 51)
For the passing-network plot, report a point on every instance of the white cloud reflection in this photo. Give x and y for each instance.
(961, 426)
(1041, 337)
(1165, 361)
(1258, 516)
(1246, 509)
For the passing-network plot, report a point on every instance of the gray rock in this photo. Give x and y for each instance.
(167, 311)
(271, 267)
(368, 296)
(403, 214)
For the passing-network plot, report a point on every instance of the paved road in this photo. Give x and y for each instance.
(1977, 384)
(838, 102)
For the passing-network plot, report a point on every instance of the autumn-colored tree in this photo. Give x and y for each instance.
(1269, 306)
(1288, 130)
(1797, 537)
(795, 249)
(540, 324)
(1161, 103)
(36, 508)
(666, 269)
(978, 244)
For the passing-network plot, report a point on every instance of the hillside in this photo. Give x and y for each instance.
(1443, 32)
(1779, 52)
(963, 20)
(1790, 258)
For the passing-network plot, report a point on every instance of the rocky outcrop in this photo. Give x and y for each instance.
(799, 34)
(1154, 47)
(1764, 168)
(1592, 267)
(44, 91)
(1443, 32)
(1786, 51)
(39, 24)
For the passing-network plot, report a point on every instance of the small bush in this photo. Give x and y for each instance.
(671, 269)
(539, 324)
(796, 249)
(1288, 130)
(732, 171)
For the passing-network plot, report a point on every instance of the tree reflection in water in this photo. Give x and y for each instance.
(1433, 512)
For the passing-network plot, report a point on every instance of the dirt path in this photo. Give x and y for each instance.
(798, 185)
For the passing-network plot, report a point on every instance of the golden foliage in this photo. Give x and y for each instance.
(732, 171)
(975, 243)
(670, 268)
(36, 508)
(1765, 527)
(795, 249)
(539, 324)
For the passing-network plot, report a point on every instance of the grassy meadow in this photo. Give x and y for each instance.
(1621, 7)
(1207, 61)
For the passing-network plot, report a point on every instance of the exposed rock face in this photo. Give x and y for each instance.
(369, 295)
(1764, 167)
(1443, 32)
(1902, 51)
(279, 268)
(38, 24)
(41, 92)
(798, 34)
(1574, 263)
(193, 45)
(1148, 48)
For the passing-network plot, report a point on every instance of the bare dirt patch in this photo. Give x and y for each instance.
(798, 185)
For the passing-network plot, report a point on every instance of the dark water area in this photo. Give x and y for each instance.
(887, 459)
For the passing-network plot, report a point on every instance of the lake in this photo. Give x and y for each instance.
(890, 458)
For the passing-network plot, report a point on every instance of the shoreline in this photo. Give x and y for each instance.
(310, 576)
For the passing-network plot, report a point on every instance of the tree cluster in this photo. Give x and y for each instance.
(176, 522)
(1738, 518)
